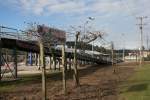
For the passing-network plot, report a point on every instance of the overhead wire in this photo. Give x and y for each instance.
(126, 5)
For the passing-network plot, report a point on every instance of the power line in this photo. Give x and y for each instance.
(129, 9)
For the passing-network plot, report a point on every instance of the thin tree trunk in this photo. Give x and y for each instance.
(64, 69)
(76, 77)
(43, 71)
(15, 63)
(0, 58)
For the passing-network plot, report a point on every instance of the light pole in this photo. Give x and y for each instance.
(123, 53)
(92, 19)
(84, 26)
(89, 19)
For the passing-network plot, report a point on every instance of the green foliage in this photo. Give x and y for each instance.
(138, 86)
(147, 58)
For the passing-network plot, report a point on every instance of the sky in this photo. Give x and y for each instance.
(115, 18)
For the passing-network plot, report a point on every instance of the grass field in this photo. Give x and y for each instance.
(92, 80)
(7, 86)
(137, 87)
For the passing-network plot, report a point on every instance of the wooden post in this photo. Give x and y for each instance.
(43, 70)
(15, 63)
(76, 77)
(64, 69)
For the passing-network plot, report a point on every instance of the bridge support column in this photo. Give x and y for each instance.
(54, 63)
(26, 58)
(80, 62)
(66, 63)
(83, 62)
(30, 58)
(39, 62)
(15, 63)
(59, 65)
(36, 59)
(69, 63)
(50, 63)
(86, 62)
(6, 55)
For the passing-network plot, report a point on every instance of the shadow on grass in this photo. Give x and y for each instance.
(137, 87)
(55, 76)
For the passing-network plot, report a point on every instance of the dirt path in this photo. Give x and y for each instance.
(96, 83)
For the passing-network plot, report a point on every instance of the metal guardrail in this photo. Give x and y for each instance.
(11, 33)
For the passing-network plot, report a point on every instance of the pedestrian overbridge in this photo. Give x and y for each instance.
(18, 40)
(32, 46)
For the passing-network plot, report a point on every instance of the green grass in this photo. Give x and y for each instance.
(7, 86)
(137, 87)
(29, 79)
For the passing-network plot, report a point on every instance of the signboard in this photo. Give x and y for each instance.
(52, 35)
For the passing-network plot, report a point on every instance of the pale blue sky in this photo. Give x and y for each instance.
(114, 17)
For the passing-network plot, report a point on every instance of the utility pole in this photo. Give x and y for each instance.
(141, 18)
(123, 53)
(147, 40)
(147, 44)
